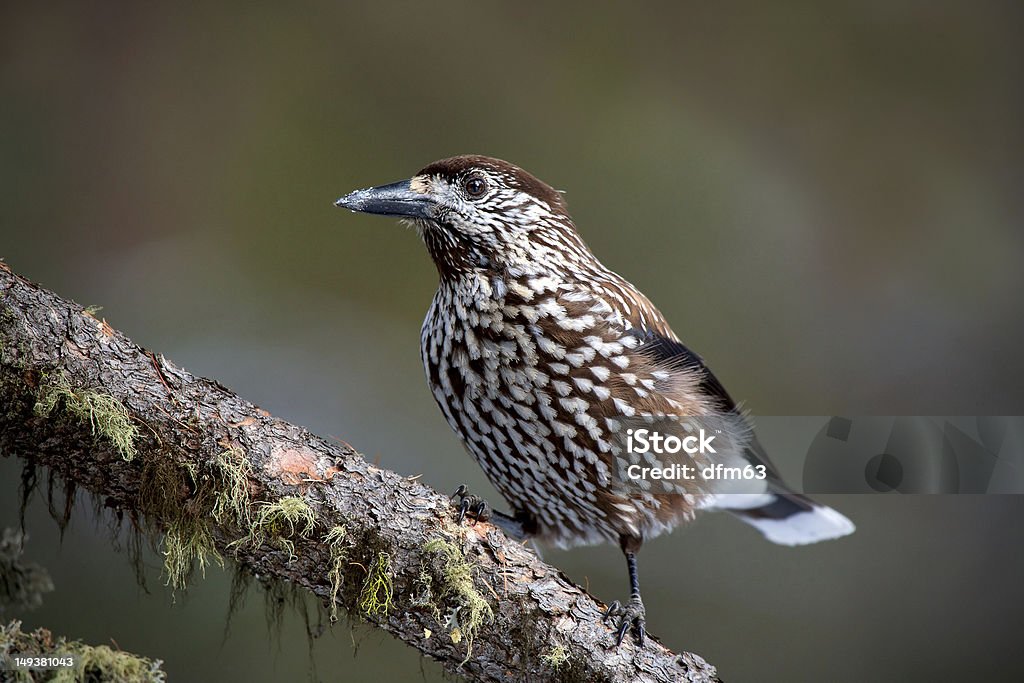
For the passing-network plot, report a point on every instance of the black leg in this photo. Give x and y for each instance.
(634, 598)
(632, 613)
(634, 578)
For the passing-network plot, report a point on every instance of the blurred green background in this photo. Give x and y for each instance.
(824, 199)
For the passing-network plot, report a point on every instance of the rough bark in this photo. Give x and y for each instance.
(396, 551)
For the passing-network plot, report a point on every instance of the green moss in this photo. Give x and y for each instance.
(279, 522)
(357, 559)
(233, 471)
(336, 544)
(101, 663)
(177, 495)
(453, 581)
(173, 496)
(556, 657)
(378, 591)
(107, 415)
(188, 541)
(14, 642)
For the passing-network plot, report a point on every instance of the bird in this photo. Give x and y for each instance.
(546, 364)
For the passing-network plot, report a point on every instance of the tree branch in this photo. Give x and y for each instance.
(219, 476)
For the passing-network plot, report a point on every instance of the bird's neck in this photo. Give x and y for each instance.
(460, 259)
(455, 256)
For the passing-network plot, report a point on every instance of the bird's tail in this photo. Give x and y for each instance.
(792, 519)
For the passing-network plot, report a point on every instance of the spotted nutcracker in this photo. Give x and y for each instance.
(539, 355)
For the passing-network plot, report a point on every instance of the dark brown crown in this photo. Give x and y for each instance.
(456, 167)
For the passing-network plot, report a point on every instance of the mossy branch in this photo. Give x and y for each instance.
(218, 477)
(90, 662)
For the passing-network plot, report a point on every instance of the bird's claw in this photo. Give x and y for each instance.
(474, 506)
(632, 614)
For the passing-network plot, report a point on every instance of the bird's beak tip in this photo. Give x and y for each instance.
(353, 201)
(396, 199)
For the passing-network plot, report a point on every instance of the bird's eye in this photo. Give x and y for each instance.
(475, 186)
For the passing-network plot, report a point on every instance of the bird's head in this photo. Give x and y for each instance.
(476, 214)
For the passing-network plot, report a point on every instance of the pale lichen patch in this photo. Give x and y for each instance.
(468, 608)
(378, 592)
(107, 416)
(277, 523)
(335, 539)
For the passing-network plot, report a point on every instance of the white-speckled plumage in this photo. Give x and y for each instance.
(532, 349)
(537, 354)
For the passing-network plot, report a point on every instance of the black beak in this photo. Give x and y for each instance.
(396, 199)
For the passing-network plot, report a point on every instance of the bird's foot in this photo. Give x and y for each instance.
(475, 507)
(631, 614)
